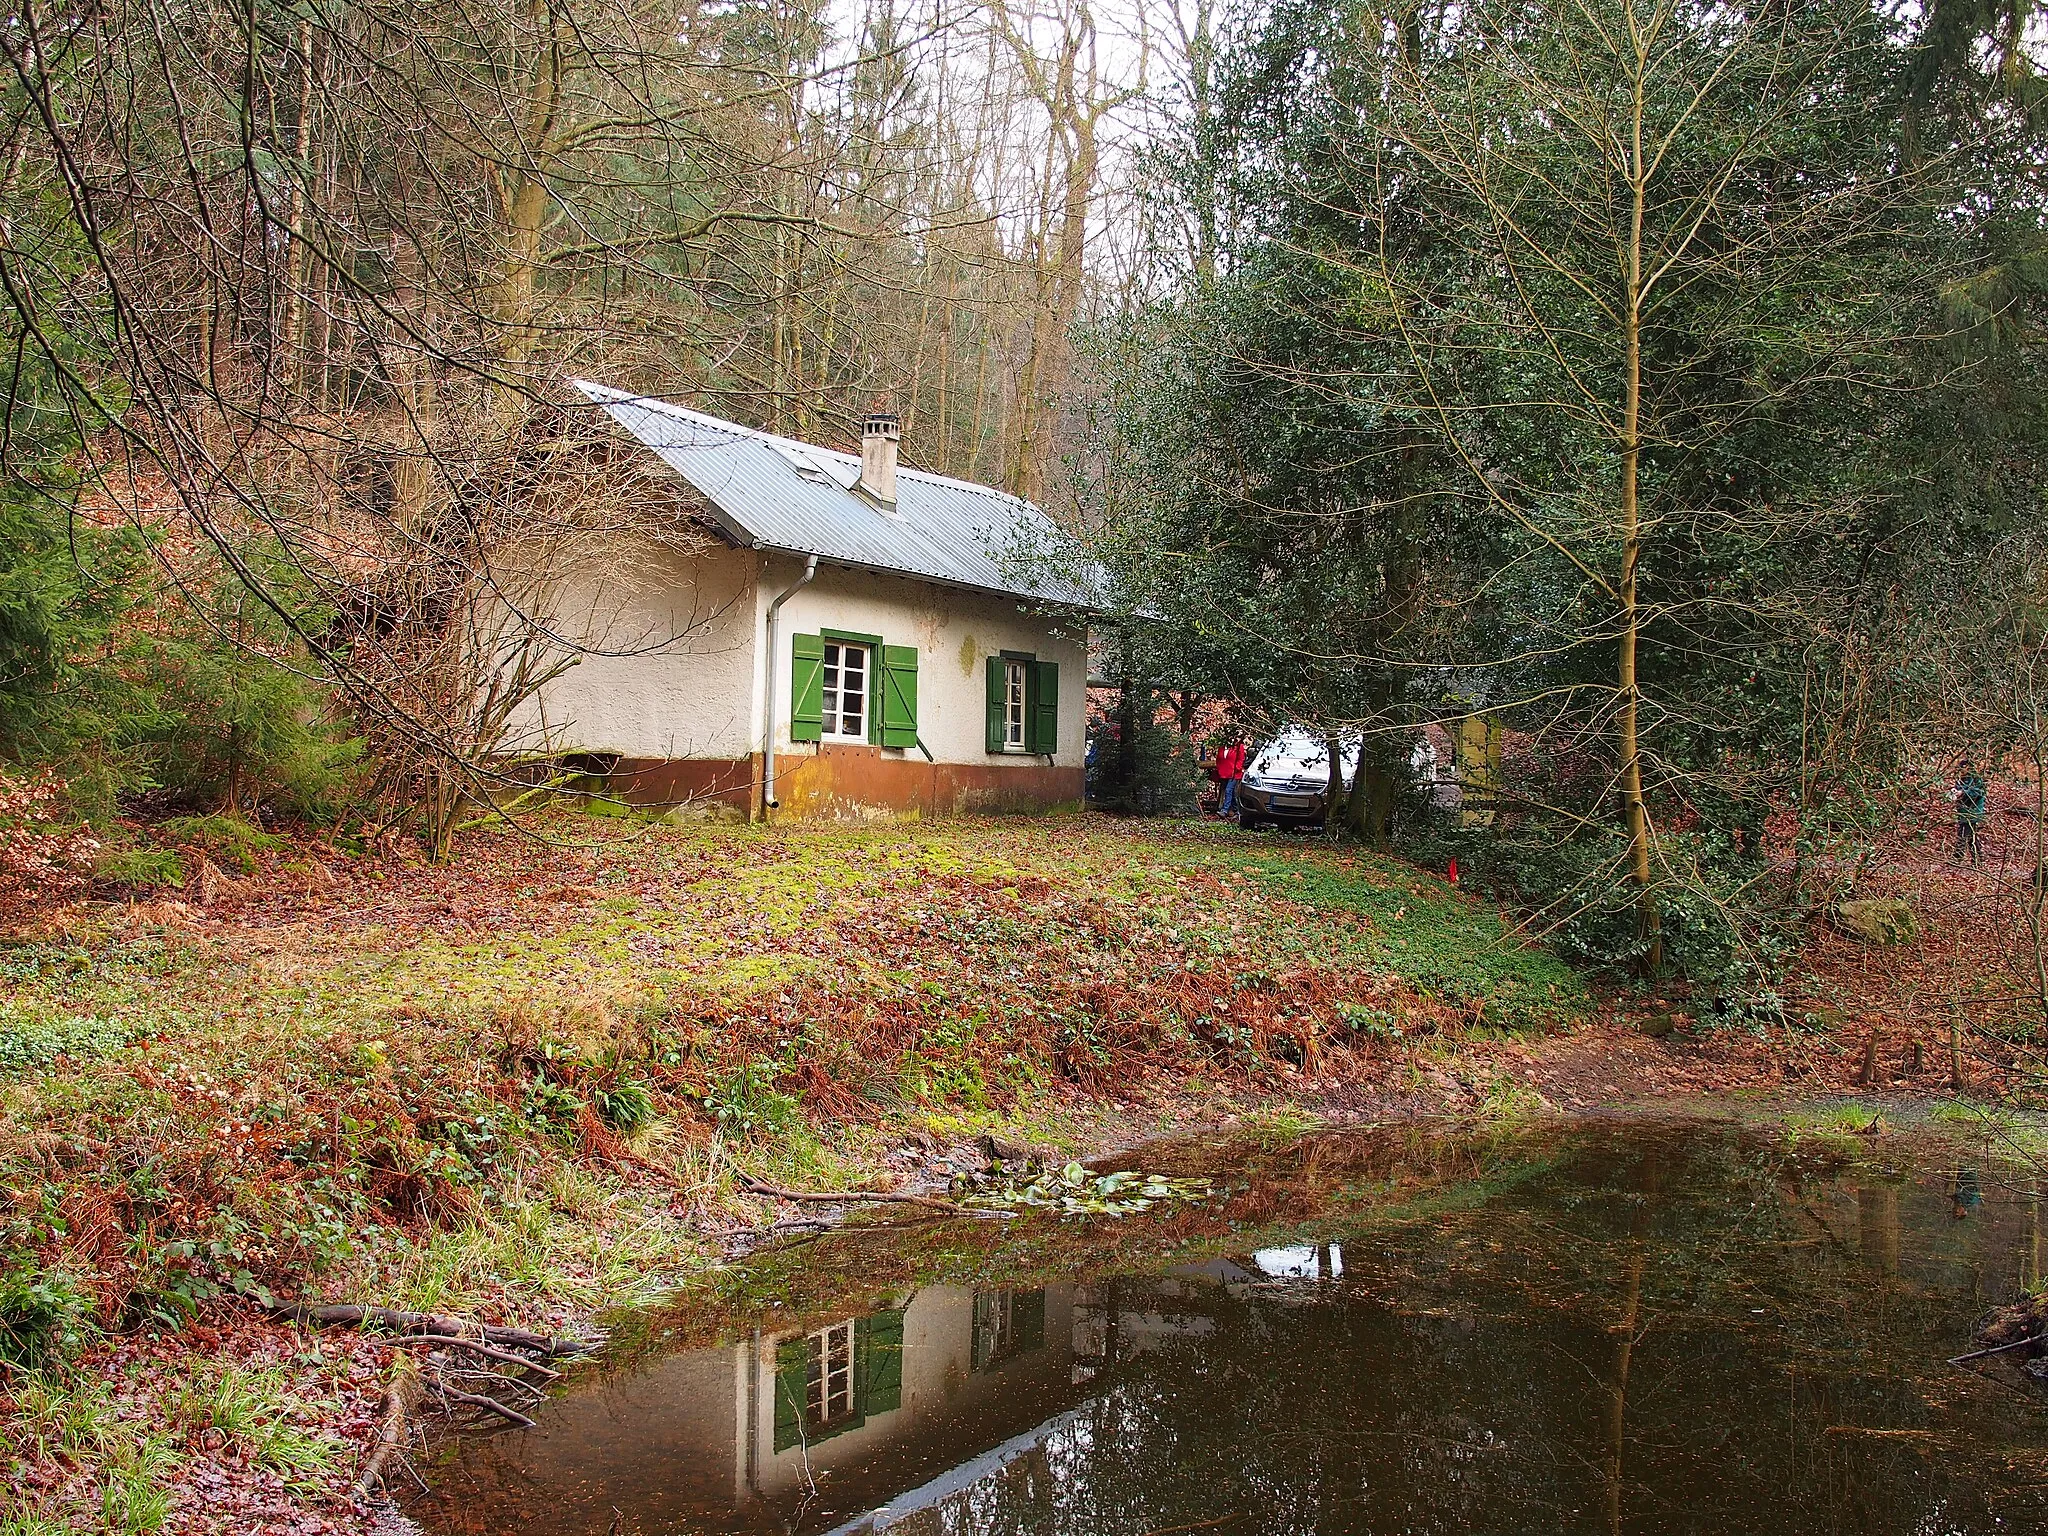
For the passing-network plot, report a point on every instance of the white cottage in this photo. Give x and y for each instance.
(860, 639)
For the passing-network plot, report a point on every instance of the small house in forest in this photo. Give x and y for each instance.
(850, 638)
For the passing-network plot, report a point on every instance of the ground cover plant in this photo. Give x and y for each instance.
(552, 1077)
(538, 1082)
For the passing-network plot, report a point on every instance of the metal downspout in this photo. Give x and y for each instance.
(768, 801)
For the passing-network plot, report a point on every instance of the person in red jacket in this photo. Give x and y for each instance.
(1229, 769)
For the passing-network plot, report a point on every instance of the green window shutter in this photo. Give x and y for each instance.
(997, 681)
(1042, 709)
(792, 1358)
(898, 714)
(882, 1361)
(806, 687)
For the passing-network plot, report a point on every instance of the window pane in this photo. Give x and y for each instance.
(1013, 712)
(831, 693)
(853, 690)
(845, 691)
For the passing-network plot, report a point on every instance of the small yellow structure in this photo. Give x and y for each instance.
(1479, 768)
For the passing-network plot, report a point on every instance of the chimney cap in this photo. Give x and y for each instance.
(881, 424)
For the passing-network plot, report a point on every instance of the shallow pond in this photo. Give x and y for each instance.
(1600, 1328)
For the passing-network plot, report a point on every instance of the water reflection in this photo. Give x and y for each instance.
(1611, 1334)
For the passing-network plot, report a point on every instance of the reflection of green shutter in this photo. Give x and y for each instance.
(898, 713)
(792, 1357)
(882, 1356)
(997, 688)
(1042, 708)
(806, 687)
(981, 1346)
(1027, 1315)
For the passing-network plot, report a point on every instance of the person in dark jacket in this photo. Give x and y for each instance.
(1970, 796)
(1229, 769)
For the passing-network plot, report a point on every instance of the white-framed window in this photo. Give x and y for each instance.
(829, 1375)
(846, 691)
(1014, 705)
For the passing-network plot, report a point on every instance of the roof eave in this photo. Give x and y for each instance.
(949, 582)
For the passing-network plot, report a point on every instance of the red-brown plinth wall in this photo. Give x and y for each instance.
(829, 782)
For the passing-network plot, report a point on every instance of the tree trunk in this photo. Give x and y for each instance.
(1649, 920)
(1334, 819)
(1371, 814)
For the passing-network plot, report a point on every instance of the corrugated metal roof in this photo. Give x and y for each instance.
(775, 493)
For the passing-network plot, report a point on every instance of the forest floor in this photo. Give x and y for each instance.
(536, 1083)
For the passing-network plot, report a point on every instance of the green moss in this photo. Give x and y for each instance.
(1425, 932)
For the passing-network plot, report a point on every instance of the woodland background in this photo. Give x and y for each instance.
(1660, 379)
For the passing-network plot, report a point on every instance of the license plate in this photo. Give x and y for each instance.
(1293, 802)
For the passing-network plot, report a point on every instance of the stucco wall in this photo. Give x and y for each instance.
(690, 689)
(955, 634)
(687, 690)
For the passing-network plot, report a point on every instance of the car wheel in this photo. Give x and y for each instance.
(1248, 821)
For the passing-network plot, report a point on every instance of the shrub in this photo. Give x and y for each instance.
(45, 1315)
(239, 725)
(1157, 778)
(228, 840)
(137, 868)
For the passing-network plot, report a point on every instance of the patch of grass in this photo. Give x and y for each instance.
(254, 1411)
(1272, 1126)
(747, 1105)
(1428, 934)
(75, 1418)
(1508, 1100)
(134, 1497)
(799, 1158)
(567, 1237)
(627, 1108)
(1840, 1124)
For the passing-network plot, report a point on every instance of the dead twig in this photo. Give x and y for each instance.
(488, 1404)
(473, 1346)
(351, 1315)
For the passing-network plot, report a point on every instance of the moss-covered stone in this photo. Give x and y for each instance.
(1877, 920)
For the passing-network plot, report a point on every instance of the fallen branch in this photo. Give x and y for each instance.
(1996, 1349)
(846, 1196)
(353, 1316)
(488, 1352)
(401, 1393)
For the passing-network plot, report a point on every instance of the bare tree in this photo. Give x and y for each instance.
(1617, 215)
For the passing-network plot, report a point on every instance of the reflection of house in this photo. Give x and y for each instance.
(867, 1403)
(868, 1422)
(833, 1420)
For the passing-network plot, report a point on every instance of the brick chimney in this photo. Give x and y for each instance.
(880, 432)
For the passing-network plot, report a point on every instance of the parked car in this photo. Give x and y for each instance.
(1287, 783)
